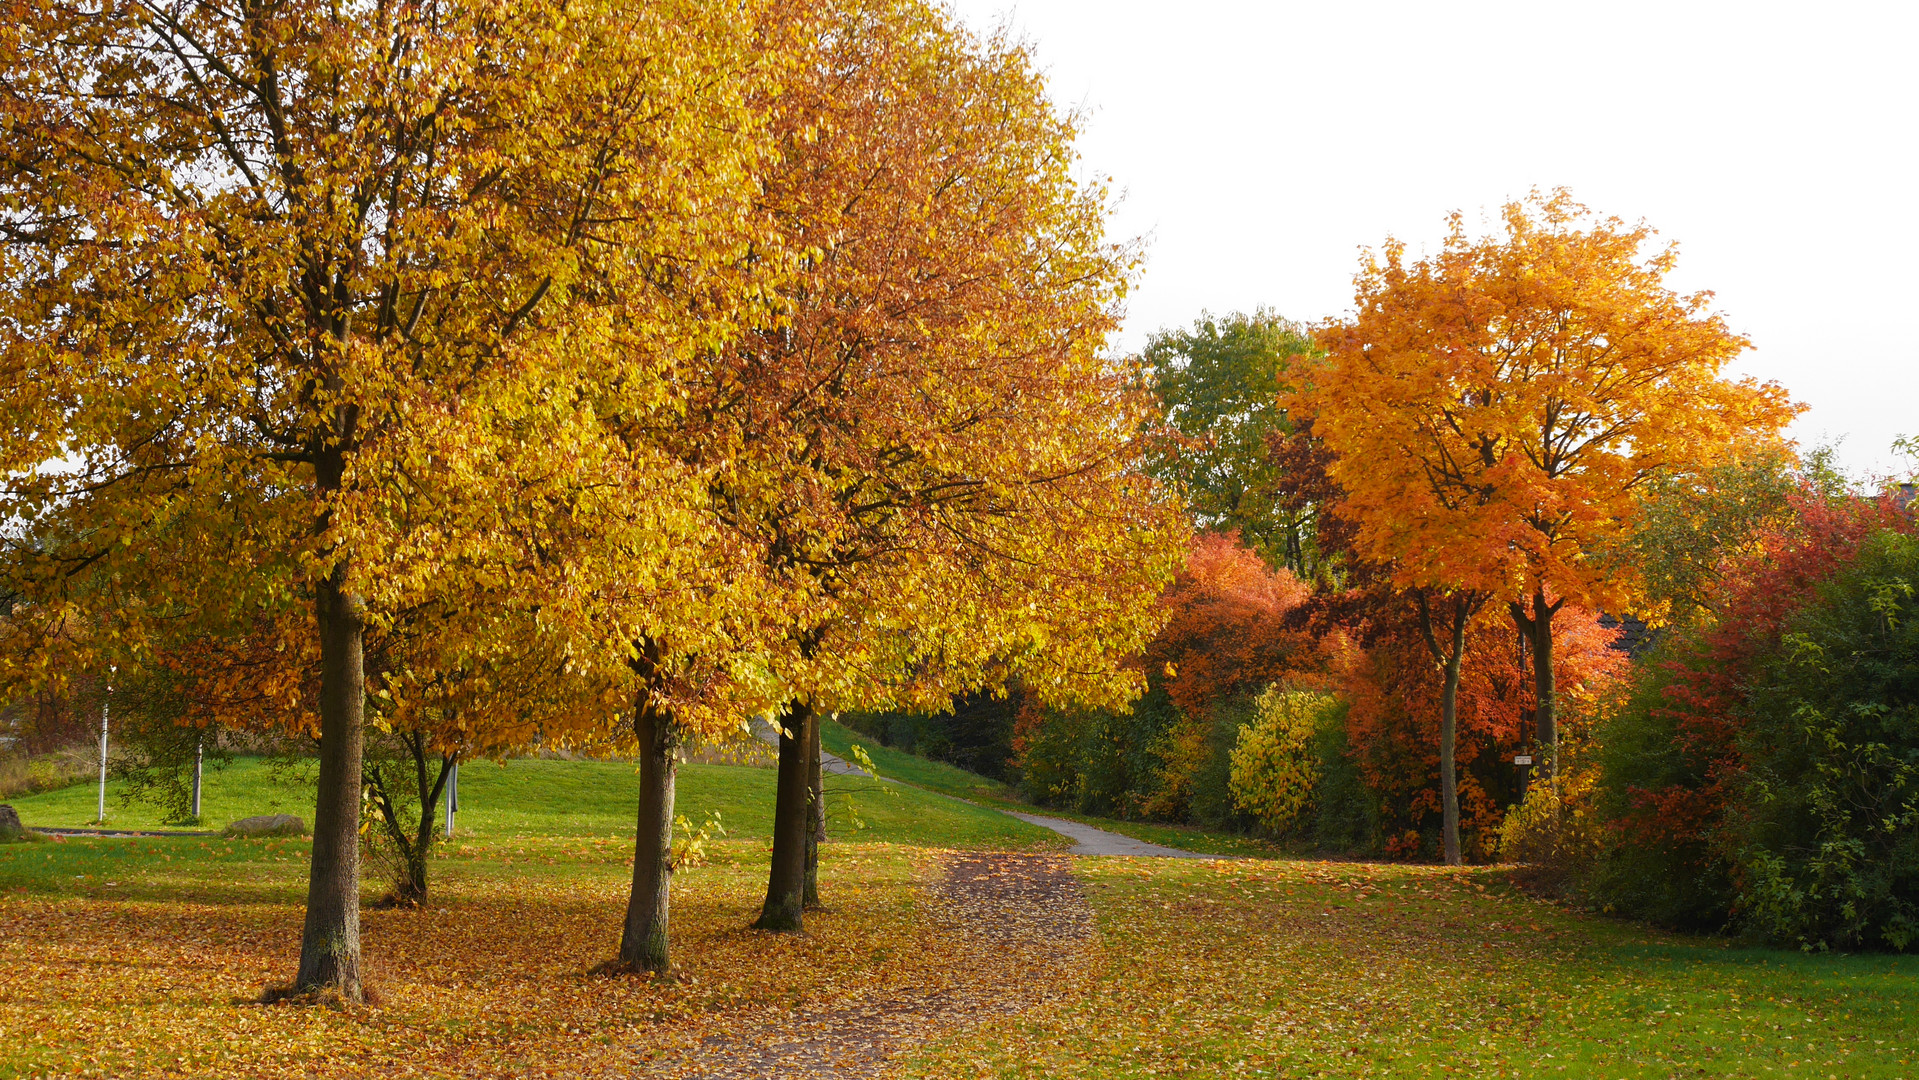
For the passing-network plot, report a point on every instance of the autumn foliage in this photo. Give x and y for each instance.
(1227, 627)
(1493, 408)
(1705, 697)
(1393, 722)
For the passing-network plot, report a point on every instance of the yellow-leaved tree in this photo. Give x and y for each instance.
(299, 293)
(919, 469)
(958, 497)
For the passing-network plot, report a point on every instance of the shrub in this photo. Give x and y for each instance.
(1827, 841)
(1194, 782)
(1095, 761)
(1276, 767)
(1346, 813)
(1554, 834)
(1650, 865)
(1676, 759)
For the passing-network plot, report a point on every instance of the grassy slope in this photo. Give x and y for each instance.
(580, 798)
(912, 769)
(957, 782)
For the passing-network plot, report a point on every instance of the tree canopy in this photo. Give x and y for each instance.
(1220, 383)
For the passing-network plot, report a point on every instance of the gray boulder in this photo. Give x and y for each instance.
(10, 820)
(267, 825)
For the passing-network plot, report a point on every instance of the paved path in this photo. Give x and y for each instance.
(830, 764)
(1087, 840)
(1090, 841)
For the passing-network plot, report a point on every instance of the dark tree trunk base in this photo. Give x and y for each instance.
(646, 939)
(621, 969)
(327, 997)
(784, 911)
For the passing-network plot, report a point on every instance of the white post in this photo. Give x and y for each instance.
(452, 796)
(199, 757)
(102, 819)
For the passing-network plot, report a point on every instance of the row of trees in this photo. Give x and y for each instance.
(496, 373)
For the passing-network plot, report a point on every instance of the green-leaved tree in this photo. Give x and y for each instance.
(1220, 383)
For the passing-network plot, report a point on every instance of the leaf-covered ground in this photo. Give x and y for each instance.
(1295, 969)
(142, 957)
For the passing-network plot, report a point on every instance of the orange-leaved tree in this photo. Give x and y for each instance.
(1227, 632)
(1495, 408)
(291, 289)
(929, 450)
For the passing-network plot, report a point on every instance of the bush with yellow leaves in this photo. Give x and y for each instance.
(1553, 834)
(1276, 766)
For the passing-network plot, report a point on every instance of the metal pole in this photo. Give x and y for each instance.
(199, 758)
(452, 796)
(102, 819)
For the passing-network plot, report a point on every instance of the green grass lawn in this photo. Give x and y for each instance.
(1291, 968)
(580, 798)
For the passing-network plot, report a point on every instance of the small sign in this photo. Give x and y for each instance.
(1522, 759)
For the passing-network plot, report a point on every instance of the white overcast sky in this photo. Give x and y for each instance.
(1259, 146)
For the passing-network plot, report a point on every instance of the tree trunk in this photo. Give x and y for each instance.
(409, 887)
(429, 791)
(1548, 717)
(786, 881)
(1449, 661)
(330, 943)
(1537, 624)
(815, 819)
(1448, 771)
(645, 941)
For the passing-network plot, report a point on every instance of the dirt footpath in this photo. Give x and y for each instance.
(1027, 920)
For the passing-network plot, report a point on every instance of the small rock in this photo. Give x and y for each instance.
(267, 825)
(10, 820)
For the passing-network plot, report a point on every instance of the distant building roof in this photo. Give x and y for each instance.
(1635, 637)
